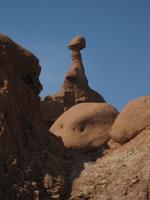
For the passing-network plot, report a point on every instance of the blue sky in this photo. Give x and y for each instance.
(117, 56)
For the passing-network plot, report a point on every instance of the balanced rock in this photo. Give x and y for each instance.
(134, 118)
(85, 125)
(77, 43)
(75, 88)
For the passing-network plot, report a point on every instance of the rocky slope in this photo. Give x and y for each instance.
(123, 173)
(31, 160)
(74, 90)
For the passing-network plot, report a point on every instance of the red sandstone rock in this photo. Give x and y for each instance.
(77, 43)
(27, 151)
(85, 126)
(134, 118)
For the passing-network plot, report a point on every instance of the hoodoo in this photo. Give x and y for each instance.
(75, 88)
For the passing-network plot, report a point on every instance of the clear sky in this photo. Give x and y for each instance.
(117, 56)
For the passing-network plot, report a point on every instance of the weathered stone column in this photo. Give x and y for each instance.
(77, 68)
(75, 45)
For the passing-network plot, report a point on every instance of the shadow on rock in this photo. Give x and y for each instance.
(79, 159)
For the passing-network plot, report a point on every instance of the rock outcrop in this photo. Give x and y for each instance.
(29, 156)
(85, 126)
(75, 88)
(134, 118)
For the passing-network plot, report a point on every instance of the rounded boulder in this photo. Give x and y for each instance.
(134, 118)
(77, 43)
(85, 125)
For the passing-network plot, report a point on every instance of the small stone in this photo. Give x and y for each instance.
(36, 195)
(47, 181)
(34, 184)
(56, 196)
(14, 162)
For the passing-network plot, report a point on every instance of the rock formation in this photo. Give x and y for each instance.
(28, 153)
(75, 88)
(122, 172)
(35, 165)
(134, 118)
(85, 126)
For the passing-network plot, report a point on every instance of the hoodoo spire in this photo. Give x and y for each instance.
(75, 88)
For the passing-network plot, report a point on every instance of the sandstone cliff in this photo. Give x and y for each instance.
(31, 160)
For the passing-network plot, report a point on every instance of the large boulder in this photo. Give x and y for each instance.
(74, 90)
(85, 125)
(134, 118)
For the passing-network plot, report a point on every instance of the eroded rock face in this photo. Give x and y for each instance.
(24, 62)
(27, 151)
(134, 118)
(75, 88)
(85, 126)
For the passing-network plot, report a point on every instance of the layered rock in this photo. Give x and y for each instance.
(134, 118)
(75, 88)
(27, 152)
(85, 126)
